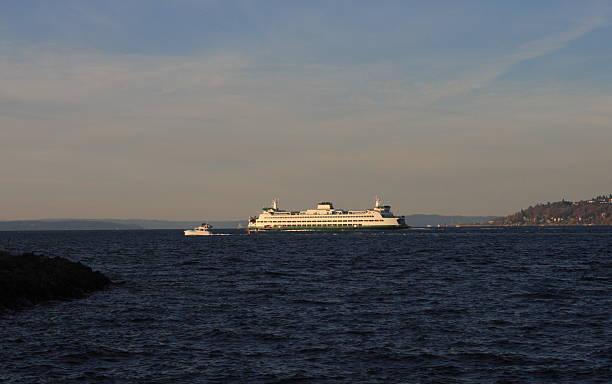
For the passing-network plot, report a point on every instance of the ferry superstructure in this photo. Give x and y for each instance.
(325, 217)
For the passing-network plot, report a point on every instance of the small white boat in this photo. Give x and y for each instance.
(202, 230)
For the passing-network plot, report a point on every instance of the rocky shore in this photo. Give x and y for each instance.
(27, 279)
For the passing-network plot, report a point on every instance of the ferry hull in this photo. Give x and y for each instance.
(336, 229)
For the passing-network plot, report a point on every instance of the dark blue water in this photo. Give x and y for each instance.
(524, 305)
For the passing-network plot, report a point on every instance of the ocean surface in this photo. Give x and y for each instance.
(460, 305)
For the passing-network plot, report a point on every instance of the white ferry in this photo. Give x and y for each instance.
(325, 217)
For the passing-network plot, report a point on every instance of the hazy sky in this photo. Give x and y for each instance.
(206, 110)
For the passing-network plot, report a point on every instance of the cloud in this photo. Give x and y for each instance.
(146, 135)
(491, 69)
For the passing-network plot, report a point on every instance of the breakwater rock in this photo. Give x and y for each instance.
(27, 279)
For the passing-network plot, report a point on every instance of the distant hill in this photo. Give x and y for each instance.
(125, 224)
(412, 220)
(596, 211)
(435, 220)
(106, 224)
(63, 224)
(168, 224)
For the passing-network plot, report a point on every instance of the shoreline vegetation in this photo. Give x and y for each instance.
(596, 211)
(28, 279)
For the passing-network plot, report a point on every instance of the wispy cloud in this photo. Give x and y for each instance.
(495, 67)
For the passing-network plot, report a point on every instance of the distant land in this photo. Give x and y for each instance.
(106, 224)
(62, 224)
(419, 220)
(596, 211)
(422, 220)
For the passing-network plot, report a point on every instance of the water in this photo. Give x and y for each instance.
(518, 305)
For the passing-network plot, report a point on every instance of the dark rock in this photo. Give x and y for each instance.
(28, 279)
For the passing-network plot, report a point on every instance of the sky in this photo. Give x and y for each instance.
(206, 110)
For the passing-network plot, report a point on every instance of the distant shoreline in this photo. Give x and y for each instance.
(594, 212)
(415, 220)
(532, 225)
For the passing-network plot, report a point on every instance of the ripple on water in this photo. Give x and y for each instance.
(454, 305)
